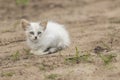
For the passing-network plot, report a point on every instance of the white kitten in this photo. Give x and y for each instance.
(45, 39)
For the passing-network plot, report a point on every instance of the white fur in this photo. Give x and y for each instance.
(54, 38)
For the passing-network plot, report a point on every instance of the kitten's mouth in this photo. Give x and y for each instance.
(34, 40)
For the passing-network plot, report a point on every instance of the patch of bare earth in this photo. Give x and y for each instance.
(94, 27)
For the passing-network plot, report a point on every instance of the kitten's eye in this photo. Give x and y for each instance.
(39, 33)
(32, 33)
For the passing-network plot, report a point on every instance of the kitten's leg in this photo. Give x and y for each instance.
(55, 49)
(44, 51)
(38, 52)
(52, 50)
(32, 51)
(61, 46)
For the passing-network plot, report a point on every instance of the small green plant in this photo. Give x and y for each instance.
(78, 58)
(43, 66)
(7, 74)
(77, 55)
(15, 56)
(27, 52)
(85, 58)
(22, 2)
(106, 46)
(52, 76)
(75, 59)
(107, 58)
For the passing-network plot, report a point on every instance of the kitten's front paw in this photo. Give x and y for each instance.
(39, 52)
(32, 51)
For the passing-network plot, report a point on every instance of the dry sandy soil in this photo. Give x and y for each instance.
(94, 27)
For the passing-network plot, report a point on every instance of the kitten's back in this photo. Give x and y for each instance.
(59, 32)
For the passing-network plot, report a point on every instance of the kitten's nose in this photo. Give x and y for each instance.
(35, 37)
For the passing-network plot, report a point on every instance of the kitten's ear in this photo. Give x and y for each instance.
(25, 23)
(43, 24)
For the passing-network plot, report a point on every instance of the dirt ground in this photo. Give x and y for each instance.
(94, 28)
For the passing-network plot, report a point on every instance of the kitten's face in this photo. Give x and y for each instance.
(33, 31)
